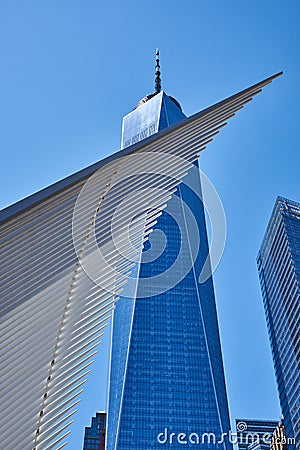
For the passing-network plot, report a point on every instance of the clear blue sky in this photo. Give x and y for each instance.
(70, 69)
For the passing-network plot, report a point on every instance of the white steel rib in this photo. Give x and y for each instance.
(55, 301)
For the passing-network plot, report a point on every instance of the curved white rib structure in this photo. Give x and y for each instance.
(55, 301)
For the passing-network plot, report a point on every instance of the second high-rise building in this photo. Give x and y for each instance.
(279, 272)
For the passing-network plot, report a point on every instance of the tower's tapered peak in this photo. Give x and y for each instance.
(157, 73)
(157, 85)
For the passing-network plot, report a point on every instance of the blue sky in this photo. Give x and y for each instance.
(72, 69)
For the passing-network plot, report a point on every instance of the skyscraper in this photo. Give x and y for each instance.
(169, 371)
(166, 374)
(279, 441)
(254, 434)
(94, 436)
(279, 272)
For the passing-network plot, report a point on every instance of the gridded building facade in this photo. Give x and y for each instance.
(167, 369)
(279, 440)
(253, 434)
(94, 436)
(279, 272)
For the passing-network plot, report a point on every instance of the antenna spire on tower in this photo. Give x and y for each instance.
(157, 73)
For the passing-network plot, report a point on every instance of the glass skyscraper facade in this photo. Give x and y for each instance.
(166, 374)
(94, 436)
(279, 272)
(279, 441)
(253, 434)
